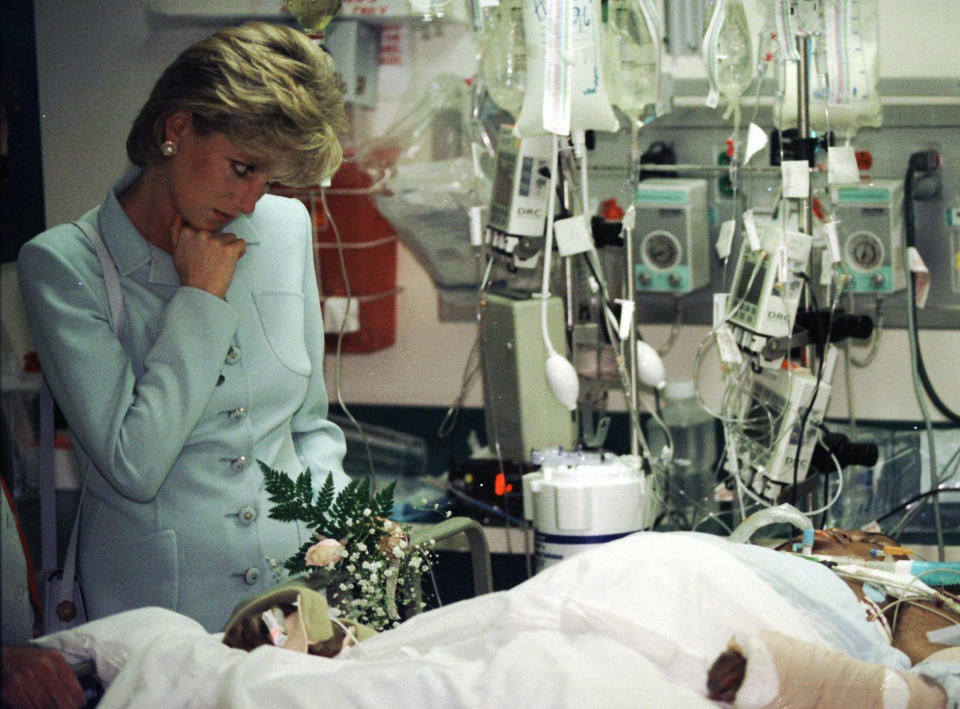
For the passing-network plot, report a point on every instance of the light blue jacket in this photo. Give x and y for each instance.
(177, 413)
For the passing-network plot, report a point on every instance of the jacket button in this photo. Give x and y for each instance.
(246, 515)
(251, 575)
(238, 464)
(238, 413)
(233, 354)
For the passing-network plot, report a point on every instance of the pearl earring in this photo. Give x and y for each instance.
(168, 148)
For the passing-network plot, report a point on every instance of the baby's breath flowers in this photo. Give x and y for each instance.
(367, 562)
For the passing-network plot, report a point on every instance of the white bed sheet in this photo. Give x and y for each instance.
(637, 622)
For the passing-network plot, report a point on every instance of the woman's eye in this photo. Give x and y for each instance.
(240, 168)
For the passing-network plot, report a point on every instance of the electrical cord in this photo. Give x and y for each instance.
(816, 388)
(911, 239)
(340, 335)
(916, 359)
(913, 499)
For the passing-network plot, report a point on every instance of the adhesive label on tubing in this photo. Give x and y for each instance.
(727, 346)
(572, 235)
(833, 241)
(796, 179)
(719, 308)
(756, 141)
(751, 228)
(725, 239)
(842, 166)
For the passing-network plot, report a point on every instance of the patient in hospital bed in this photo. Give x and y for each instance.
(637, 622)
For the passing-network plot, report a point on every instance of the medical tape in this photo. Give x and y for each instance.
(278, 635)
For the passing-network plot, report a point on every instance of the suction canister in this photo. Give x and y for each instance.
(578, 507)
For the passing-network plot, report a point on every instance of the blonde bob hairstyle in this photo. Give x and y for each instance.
(267, 87)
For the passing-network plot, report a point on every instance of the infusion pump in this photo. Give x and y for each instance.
(870, 228)
(778, 425)
(767, 285)
(673, 236)
(518, 206)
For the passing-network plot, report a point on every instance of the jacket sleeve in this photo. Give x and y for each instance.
(319, 442)
(133, 428)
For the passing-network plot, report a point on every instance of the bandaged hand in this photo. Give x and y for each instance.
(780, 671)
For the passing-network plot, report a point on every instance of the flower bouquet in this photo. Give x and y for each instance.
(366, 561)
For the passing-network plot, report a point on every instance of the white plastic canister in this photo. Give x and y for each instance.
(578, 507)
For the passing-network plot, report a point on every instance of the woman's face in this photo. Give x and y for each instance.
(212, 181)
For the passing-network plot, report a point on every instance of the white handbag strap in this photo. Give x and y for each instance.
(111, 276)
(48, 490)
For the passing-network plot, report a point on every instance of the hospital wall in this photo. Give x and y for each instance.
(98, 59)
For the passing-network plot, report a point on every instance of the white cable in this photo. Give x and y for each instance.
(338, 366)
(349, 633)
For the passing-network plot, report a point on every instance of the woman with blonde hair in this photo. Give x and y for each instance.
(218, 361)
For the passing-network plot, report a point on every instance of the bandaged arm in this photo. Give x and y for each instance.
(778, 671)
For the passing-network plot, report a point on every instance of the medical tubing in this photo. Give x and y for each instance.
(470, 369)
(711, 338)
(483, 506)
(674, 328)
(634, 414)
(816, 387)
(910, 229)
(895, 605)
(848, 385)
(938, 573)
(906, 503)
(449, 420)
(548, 245)
(836, 496)
(593, 265)
(338, 369)
(949, 600)
(781, 514)
(850, 361)
(348, 632)
(916, 360)
(874, 337)
(955, 462)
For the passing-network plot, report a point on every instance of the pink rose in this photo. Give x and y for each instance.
(326, 552)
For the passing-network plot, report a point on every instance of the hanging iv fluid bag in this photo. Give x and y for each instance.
(632, 49)
(503, 65)
(565, 79)
(313, 15)
(727, 49)
(843, 92)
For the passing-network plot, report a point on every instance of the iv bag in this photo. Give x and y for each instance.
(565, 83)
(632, 61)
(848, 99)
(313, 15)
(727, 49)
(503, 65)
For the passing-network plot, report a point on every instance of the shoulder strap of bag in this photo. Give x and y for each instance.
(111, 276)
(48, 491)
